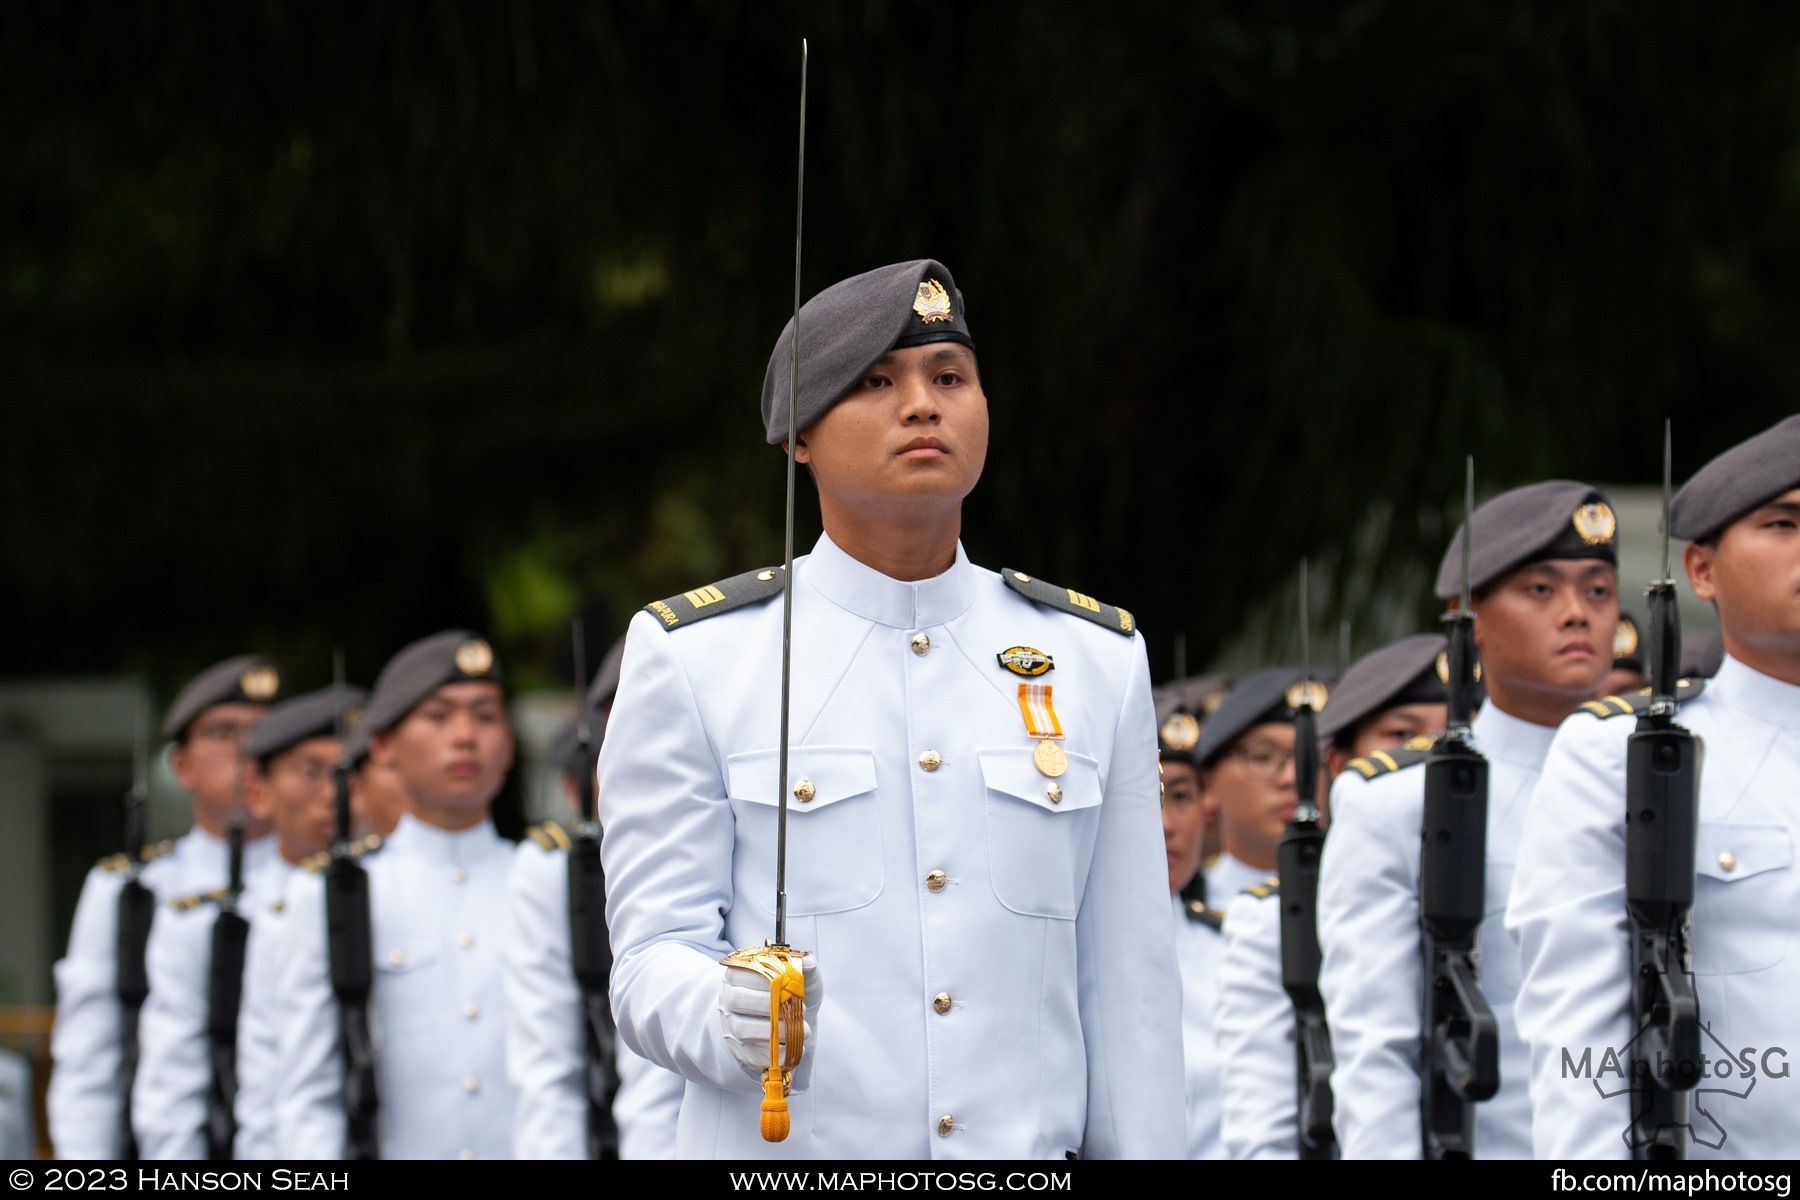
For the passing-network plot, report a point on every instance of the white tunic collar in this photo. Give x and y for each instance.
(1503, 737)
(414, 838)
(1755, 696)
(871, 595)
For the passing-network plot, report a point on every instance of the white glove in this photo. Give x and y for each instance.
(744, 1018)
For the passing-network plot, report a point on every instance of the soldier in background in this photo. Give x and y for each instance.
(1543, 578)
(207, 721)
(1385, 700)
(287, 786)
(437, 899)
(1628, 674)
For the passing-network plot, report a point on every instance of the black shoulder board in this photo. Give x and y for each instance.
(1639, 701)
(1416, 750)
(752, 587)
(550, 836)
(1262, 891)
(1199, 914)
(1070, 601)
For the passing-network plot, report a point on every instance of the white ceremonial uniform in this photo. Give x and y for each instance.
(999, 979)
(168, 1100)
(545, 1037)
(1199, 947)
(437, 914)
(1256, 1033)
(1568, 911)
(1229, 875)
(1371, 975)
(83, 1101)
(260, 1017)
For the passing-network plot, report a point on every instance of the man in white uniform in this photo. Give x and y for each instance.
(207, 721)
(1385, 699)
(1246, 758)
(437, 901)
(1543, 577)
(972, 836)
(287, 785)
(1740, 515)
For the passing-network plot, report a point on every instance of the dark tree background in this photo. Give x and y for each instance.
(340, 323)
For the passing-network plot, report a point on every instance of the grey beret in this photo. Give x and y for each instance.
(1748, 475)
(606, 679)
(455, 656)
(1702, 655)
(565, 747)
(1258, 698)
(356, 744)
(1402, 672)
(850, 325)
(316, 714)
(245, 679)
(1558, 518)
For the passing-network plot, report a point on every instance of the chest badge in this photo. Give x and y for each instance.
(1026, 661)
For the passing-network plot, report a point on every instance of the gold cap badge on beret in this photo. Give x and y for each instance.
(1595, 523)
(932, 302)
(474, 657)
(259, 683)
(1310, 691)
(1625, 640)
(1180, 732)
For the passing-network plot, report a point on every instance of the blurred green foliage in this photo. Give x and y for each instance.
(337, 324)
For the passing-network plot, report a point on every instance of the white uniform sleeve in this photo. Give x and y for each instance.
(647, 1107)
(1130, 983)
(83, 1102)
(668, 856)
(1370, 973)
(309, 1110)
(1567, 912)
(168, 1101)
(1255, 1026)
(545, 1046)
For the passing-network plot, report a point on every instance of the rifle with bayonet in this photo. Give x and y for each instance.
(590, 950)
(775, 960)
(1661, 808)
(225, 993)
(1461, 1036)
(137, 909)
(350, 950)
(1297, 866)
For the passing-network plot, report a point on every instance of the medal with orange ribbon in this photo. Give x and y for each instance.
(1041, 723)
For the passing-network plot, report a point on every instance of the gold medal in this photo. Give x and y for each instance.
(1049, 758)
(1041, 722)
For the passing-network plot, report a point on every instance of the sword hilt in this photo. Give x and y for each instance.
(787, 1007)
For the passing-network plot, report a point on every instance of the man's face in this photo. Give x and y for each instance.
(1752, 573)
(910, 436)
(1184, 812)
(1252, 786)
(295, 795)
(1545, 631)
(453, 750)
(207, 765)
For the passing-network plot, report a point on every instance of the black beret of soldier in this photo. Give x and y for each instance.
(1558, 518)
(1261, 697)
(1402, 672)
(1628, 645)
(246, 679)
(455, 656)
(845, 329)
(315, 714)
(1747, 476)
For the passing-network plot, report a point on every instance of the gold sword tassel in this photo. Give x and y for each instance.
(787, 1009)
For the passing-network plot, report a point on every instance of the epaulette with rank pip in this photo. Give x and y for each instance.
(184, 903)
(122, 862)
(1070, 601)
(1414, 751)
(360, 847)
(1262, 891)
(752, 587)
(1199, 914)
(550, 836)
(1639, 701)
